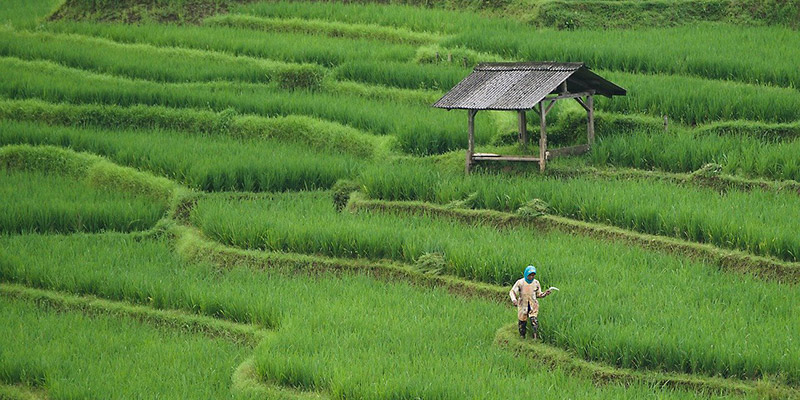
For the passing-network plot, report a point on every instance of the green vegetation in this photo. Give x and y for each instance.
(572, 14)
(674, 50)
(419, 129)
(153, 63)
(327, 28)
(148, 273)
(69, 354)
(288, 47)
(35, 202)
(307, 223)
(687, 151)
(656, 239)
(403, 75)
(696, 100)
(216, 164)
(25, 13)
(697, 214)
(317, 134)
(394, 15)
(137, 11)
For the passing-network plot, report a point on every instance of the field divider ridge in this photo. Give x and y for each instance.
(732, 260)
(709, 176)
(21, 392)
(313, 26)
(508, 338)
(192, 245)
(244, 379)
(245, 334)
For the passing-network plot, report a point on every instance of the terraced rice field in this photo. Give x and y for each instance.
(227, 199)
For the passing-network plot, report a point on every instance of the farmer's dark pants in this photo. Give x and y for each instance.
(523, 326)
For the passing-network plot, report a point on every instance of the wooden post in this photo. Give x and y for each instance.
(542, 138)
(523, 131)
(471, 144)
(590, 124)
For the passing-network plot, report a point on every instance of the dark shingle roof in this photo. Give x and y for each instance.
(519, 86)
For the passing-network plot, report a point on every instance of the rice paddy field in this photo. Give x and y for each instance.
(255, 200)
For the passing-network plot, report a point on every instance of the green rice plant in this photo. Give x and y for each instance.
(436, 54)
(687, 151)
(69, 354)
(673, 50)
(318, 134)
(753, 221)
(405, 343)
(39, 202)
(571, 14)
(756, 129)
(600, 281)
(90, 168)
(288, 47)
(403, 75)
(420, 130)
(382, 93)
(201, 162)
(696, 100)
(24, 13)
(321, 27)
(417, 19)
(154, 63)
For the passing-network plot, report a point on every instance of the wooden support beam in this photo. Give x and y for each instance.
(590, 123)
(542, 137)
(523, 131)
(564, 87)
(582, 103)
(569, 151)
(549, 107)
(506, 158)
(570, 95)
(471, 143)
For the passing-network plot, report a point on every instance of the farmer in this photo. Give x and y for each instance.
(524, 294)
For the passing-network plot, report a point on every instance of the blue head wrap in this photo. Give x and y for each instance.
(528, 271)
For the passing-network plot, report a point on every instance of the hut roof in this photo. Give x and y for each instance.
(520, 86)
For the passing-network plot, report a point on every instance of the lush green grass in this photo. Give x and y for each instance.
(321, 27)
(289, 47)
(395, 359)
(687, 151)
(394, 15)
(71, 355)
(754, 221)
(600, 281)
(697, 100)
(93, 170)
(419, 129)
(153, 63)
(403, 75)
(319, 135)
(202, 162)
(38, 202)
(26, 12)
(673, 50)
(571, 14)
(136, 11)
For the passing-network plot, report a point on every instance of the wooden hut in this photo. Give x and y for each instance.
(521, 87)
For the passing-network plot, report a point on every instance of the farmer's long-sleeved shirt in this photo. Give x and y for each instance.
(525, 294)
